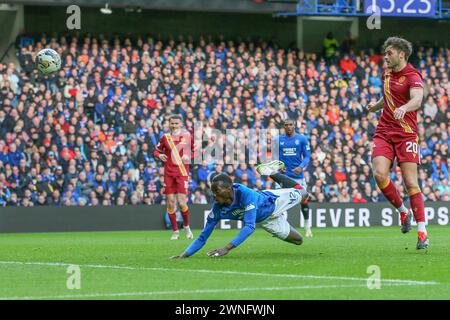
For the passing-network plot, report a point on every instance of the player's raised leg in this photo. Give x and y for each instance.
(381, 167)
(271, 169)
(171, 210)
(277, 223)
(409, 174)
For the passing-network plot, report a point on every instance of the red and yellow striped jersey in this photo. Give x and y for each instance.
(396, 93)
(179, 150)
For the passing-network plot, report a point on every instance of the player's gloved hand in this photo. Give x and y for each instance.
(399, 113)
(218, 252)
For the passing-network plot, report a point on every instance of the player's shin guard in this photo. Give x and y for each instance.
(284, 181)
(173, 220)
(305, 211)
(390, 192)
(417, 205)
(185, 215)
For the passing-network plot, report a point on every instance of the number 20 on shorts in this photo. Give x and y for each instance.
(411, 147)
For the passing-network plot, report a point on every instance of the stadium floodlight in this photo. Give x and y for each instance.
(106, 9)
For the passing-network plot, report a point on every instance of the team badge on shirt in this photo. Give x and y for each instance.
(401, 79)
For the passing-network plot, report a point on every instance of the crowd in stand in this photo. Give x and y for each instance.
(86, 135)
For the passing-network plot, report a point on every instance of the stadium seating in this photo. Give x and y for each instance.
(86, 135)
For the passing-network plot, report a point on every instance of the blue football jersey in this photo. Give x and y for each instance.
(248, 205)
(294, 152)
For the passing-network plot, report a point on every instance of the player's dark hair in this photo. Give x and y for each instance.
(210, 177)
(289, 120)
(399, 44)
(220, 181)
(176, 117)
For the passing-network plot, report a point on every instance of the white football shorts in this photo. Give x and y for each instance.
(277, 223)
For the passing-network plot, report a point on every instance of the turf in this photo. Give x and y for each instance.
(135, 265)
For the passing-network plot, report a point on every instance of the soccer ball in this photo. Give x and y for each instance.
(48, 61)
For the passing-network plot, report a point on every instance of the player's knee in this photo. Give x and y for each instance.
(410, 184)
(295, 238)
(380, 177)
(298, 240)
(171, 206)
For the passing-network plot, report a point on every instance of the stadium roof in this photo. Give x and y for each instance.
(244, 6)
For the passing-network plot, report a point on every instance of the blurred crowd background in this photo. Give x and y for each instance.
(86, 135)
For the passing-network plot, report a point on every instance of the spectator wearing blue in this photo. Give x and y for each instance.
(239, 171)
(3, 156)
(203, 172)
(5, 194)
(14, 155)
(375, 81)
(440, 170)
(112, 185)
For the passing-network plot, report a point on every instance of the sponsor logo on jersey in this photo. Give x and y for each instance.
(240, 212)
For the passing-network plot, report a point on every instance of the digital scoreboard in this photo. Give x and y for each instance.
(402, 8)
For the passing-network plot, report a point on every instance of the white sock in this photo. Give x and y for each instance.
(403, 208)
(421, 227)
(307, 223)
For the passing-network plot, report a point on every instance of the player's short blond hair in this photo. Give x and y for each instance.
(399, 44)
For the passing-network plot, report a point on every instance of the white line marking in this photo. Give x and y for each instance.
(200, 291)
(61, 264)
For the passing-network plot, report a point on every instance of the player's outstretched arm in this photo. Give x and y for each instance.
(246, 231)
(200, 241)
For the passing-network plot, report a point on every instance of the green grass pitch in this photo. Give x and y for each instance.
(135, 265)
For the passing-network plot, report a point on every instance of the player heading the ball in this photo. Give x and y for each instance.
(268, 208)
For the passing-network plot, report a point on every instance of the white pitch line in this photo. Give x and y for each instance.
(199, 291)
(279, 275)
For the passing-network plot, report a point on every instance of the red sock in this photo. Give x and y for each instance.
(391, 193)
(173, 221)
(185, 215)
(417, 206)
